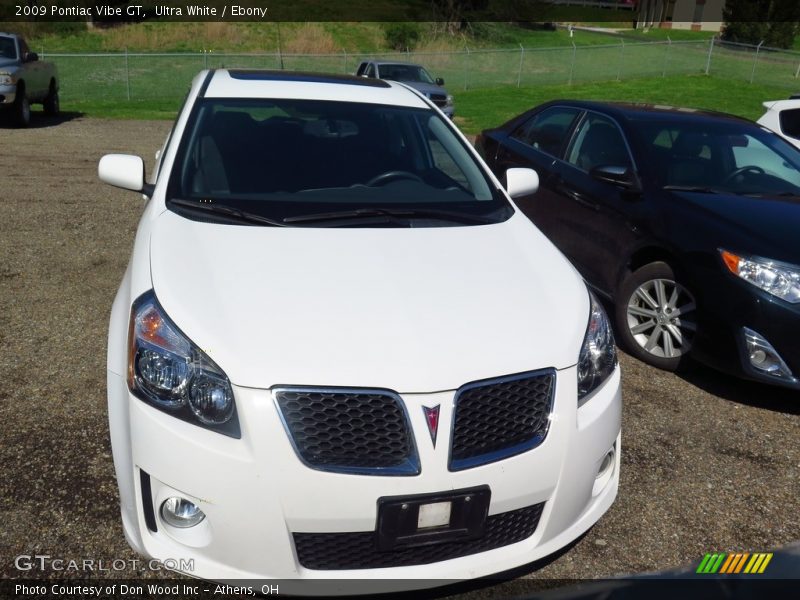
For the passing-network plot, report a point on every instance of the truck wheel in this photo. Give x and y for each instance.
(22, 109)
(51, 103)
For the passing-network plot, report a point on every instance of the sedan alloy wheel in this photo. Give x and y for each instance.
(661, 318)
(657, 316)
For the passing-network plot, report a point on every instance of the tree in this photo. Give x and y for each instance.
(453, 14)
(775, 22)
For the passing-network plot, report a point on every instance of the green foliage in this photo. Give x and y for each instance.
(401, 36)
(745, 22)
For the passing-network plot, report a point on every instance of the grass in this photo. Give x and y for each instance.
(676, 35)
(479, 109)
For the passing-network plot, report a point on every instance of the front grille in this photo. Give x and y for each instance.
(498, 418)
(359, 550)
(349, 431)
(439, 99)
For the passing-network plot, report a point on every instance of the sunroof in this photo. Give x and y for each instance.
(263, 75)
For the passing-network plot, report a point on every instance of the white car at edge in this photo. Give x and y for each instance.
(339, 351)
(783, 117)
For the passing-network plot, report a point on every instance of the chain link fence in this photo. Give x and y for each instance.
(129, 76)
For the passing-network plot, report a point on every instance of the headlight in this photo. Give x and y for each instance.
(775, 278)
(169, 372)
(598, 357)
(6, 79)
(449, 100)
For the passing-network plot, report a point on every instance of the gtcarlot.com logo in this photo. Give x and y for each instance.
(45, 562)
(720, 563)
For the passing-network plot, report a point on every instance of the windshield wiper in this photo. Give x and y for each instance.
(362, 213)
(692, 188)
(228, 211)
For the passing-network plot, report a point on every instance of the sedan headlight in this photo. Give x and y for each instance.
(6, 79)
(449, 100)
(780, 280)
(169, 372)
(598, 357)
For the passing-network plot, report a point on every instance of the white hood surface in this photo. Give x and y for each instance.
(409, 309)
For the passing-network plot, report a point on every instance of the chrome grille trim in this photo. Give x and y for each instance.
(512, 449)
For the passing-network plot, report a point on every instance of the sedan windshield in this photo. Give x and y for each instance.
(332, 164)
(404, 73)
(724, 157)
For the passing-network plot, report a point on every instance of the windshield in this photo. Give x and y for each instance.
(404, 73)
(284, 159)
(725, 157)
(7, 47)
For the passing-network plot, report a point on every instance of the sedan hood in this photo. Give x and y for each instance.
(771, 223)
(410, 309)
(8, 62)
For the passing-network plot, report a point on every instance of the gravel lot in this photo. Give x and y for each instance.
(709, 462)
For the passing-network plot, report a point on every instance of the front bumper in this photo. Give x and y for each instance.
(257, 493)
(8, 94)
(722, 344)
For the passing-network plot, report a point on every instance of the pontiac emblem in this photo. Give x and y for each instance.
(432, 419)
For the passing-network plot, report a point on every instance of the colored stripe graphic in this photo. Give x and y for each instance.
(711, 562)
(734, 562)
(758, 563)
(726, 564)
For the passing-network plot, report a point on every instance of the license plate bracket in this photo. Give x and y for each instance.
(399, 518)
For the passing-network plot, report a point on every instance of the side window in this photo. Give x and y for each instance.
(790, 122)
(8, 48)
(598, 142)
(370, 72)
(361, 68)
(547, 131)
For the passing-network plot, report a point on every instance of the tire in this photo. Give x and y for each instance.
(656, 316)
(22, 109)
(51, 104)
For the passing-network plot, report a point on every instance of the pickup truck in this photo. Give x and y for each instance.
(24, 80)
(412, 75)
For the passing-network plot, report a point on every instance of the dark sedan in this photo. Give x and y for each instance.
(689, 221)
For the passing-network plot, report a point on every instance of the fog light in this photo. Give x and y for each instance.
(764, 358)
(181, 513)
(606, 471)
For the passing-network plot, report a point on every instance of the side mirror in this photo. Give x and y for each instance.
(439, 81)
(521, 182)
(621, 177)
(31, 57)
(124, 171)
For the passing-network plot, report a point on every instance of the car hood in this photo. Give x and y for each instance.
(426, 88)
(772, 224)
(8, 62)
(410, 309)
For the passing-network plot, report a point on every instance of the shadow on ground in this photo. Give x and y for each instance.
(751, 393)
(42, 121)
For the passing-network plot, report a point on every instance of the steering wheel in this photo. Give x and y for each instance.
(389, 175)
(742, 170)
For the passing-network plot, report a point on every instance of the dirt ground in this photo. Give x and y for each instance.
(709, 462)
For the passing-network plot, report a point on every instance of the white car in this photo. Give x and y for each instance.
(340, 351)
(783, 117)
